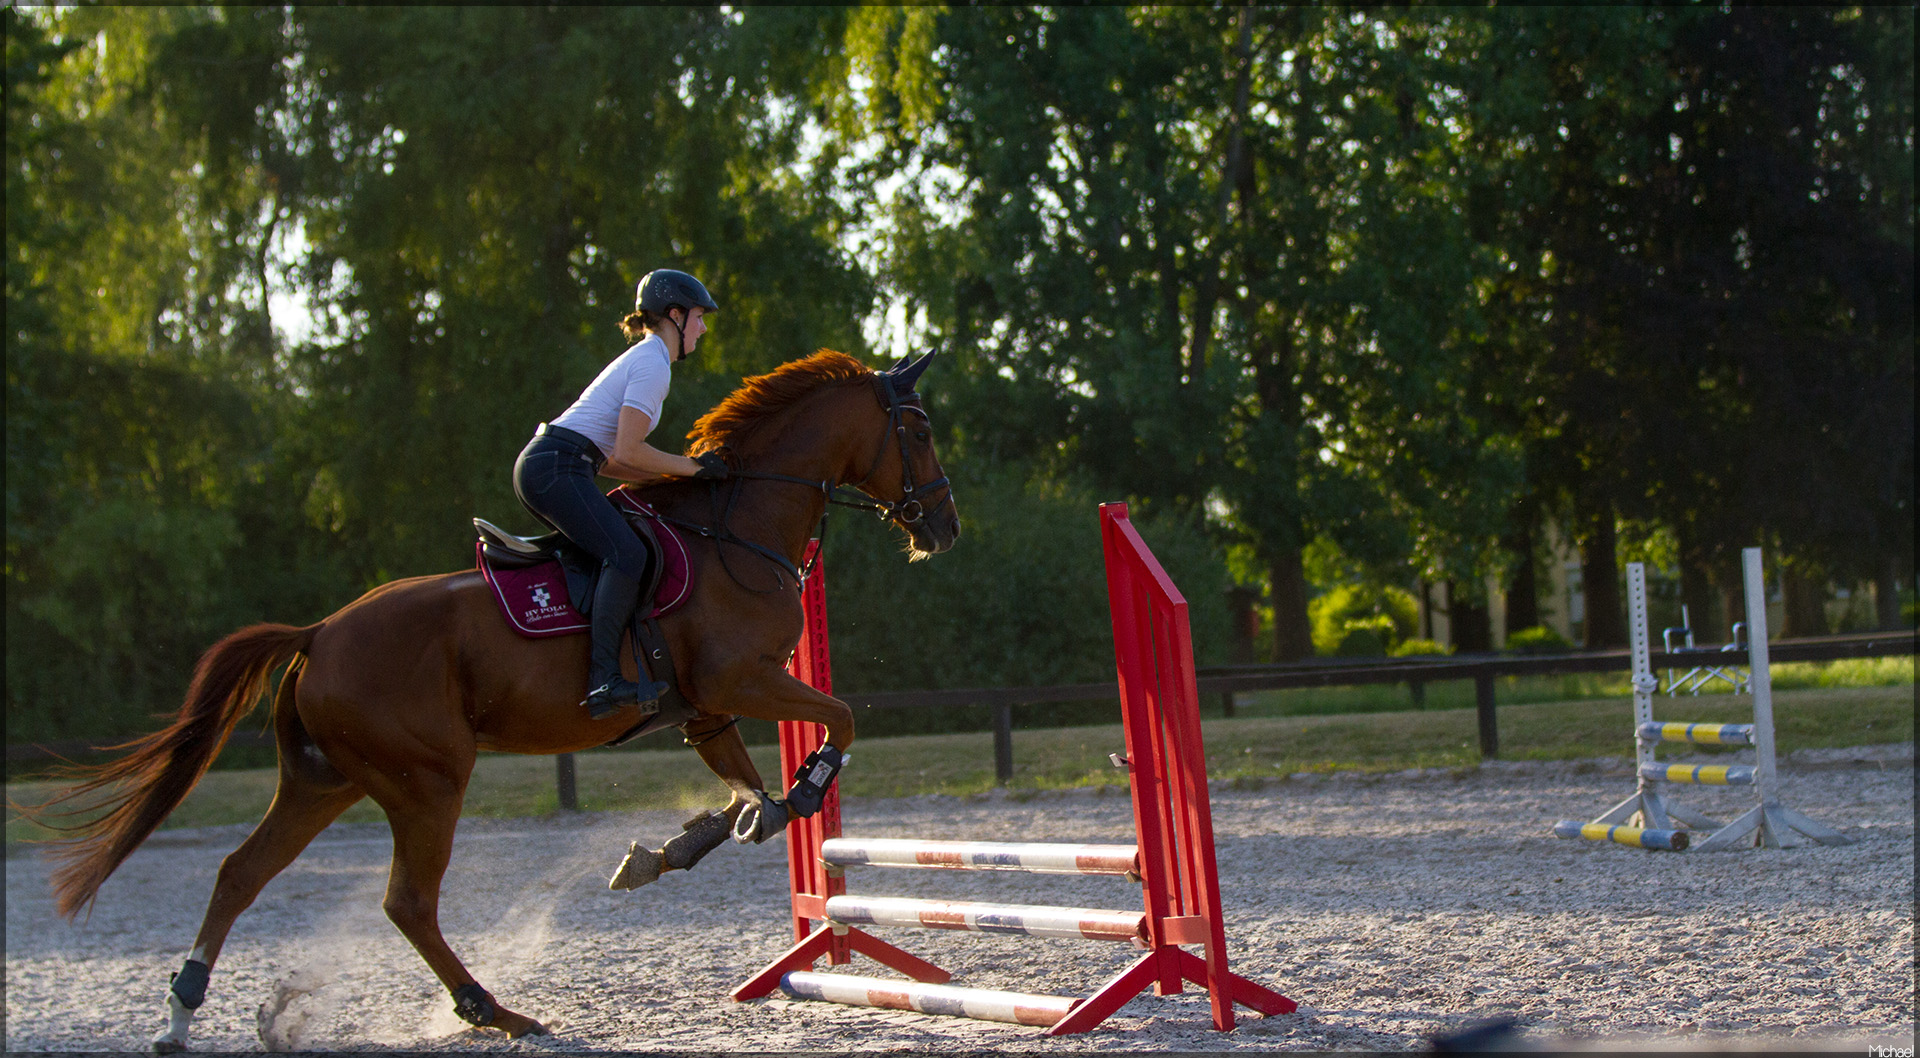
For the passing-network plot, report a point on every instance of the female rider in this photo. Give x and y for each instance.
(605, 432)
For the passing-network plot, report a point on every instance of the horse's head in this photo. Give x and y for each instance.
(827, 420)
(906, 476)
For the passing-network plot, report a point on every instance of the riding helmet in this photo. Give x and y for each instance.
(665, 288)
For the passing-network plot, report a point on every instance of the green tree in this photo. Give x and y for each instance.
(480, 189)
(134, 381)
(463, 196)
(1213, 258)
(1712, 307)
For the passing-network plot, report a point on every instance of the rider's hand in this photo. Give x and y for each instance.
(712, 467)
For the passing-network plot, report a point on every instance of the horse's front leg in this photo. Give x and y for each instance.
(718, 742)
(751, 814)
(775, 694)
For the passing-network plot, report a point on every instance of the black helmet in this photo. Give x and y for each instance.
(664, 288)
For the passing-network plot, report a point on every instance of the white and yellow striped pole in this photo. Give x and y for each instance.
(1701, 774)
(1698, 734)
(1638, 837)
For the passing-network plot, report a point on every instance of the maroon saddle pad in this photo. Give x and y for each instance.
(535, 599)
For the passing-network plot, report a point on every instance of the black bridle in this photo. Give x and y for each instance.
(909, 510)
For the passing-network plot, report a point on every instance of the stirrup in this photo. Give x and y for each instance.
(618, 693)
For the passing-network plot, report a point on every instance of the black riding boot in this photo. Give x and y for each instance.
(613, 602)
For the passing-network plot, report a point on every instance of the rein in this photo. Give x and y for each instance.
(909, 510)
(719, 533)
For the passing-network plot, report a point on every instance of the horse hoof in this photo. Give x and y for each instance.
(168, 1044)
(639, 868)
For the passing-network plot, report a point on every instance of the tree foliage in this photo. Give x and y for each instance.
(1364, 297)
(1718, 333)
(1416, 283)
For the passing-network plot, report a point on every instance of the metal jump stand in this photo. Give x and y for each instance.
(1645, 819)
(1707, 668)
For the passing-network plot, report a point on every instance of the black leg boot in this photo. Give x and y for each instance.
(613, 603)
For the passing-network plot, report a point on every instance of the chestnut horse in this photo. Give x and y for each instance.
(392, 696)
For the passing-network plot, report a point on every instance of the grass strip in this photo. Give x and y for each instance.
(1534, 690)
(1246, 748)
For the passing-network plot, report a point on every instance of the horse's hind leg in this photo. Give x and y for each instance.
(310, 795)
(422, 847)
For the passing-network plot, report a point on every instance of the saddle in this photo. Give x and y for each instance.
(544, 587)
(544, 584)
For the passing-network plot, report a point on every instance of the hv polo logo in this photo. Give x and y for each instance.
(545, 606)
(534, 600)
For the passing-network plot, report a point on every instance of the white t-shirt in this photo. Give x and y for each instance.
(637, 378)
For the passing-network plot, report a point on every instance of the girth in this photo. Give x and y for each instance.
(504, 550)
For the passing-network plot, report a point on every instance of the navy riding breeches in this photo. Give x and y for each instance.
(554, 478)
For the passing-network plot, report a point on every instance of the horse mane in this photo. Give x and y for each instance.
(733, 421)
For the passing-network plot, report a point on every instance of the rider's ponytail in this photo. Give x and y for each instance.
(640, 323)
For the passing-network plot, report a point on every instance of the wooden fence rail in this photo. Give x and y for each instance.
(1482, 669)
(1228, 680)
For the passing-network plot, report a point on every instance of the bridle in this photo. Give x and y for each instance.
(910, 510)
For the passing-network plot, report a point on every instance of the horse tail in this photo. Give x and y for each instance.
(160, 769)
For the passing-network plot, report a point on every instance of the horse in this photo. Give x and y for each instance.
(393, 696)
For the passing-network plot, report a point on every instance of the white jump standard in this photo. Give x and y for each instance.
(1644, 819)
(1706, 668)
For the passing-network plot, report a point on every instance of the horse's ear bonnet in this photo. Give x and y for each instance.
(904, 376)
